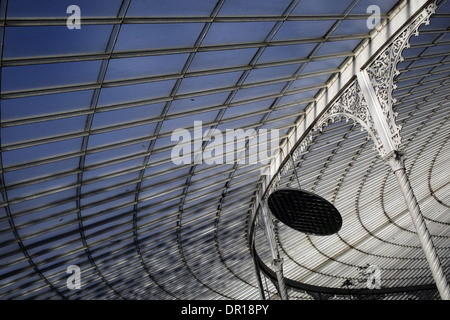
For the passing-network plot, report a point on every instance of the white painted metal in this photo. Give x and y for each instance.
(277, 262)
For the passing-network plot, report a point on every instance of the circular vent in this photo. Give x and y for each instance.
(305, 212)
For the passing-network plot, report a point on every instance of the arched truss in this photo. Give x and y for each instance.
(377, 79)
(86, 175)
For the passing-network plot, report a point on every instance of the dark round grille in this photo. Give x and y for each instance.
(305, 212)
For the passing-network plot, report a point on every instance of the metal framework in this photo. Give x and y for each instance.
(368, 101)
(87, 115)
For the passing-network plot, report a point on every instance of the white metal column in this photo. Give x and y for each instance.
(395, 159)
(277, 262)
(368, 101)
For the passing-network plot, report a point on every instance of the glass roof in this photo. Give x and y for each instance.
(89, 118)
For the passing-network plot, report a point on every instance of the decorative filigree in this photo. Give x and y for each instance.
(351, 105)
(383, 70)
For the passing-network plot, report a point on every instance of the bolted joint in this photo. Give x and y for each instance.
(277, 264)
(396, 160)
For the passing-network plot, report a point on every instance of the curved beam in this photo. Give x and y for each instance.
(368, 100)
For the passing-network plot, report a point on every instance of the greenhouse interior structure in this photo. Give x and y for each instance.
(225, 150)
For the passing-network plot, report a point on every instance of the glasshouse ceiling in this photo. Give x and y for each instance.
(97, 96)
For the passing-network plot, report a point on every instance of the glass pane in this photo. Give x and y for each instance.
(338, 47)
(263, 74)
(422, 39)
(35, 172)
(55, 40)
(148, 36)
(246, 123)
(188, 121)
(310, 81)
(145, 66)
(441, 49)
(321, 7)
(163, 188)
(30, 154)
(163, 142)
(106, 229)
(42, 187)
(102, 171)
(43, 201)
(247, 108)
(49, 75)
(171, 172)
(407, 53)
(98, 203)
(237, 32)
(43, 130)
(52, 8)
(281, 53)
(362, 5)
(115, 153)
(444, 8)
(159, 157)
(303, 29)
(202, 83)
(117, 136)
(221, 59)
(259, 91)
(350, 27)
(170, 8)
(116, 117)
(287, 111)
(106, 183)
(45, 104)
(323, 65)
(154, 210)
(218, 172)
(198, 102)
(136, 92)
(252, 8)
(288, 98)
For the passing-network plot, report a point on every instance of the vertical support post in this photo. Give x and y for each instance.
(382, 127)
(361, 103)
(258, 280)
(369, 102)
(396, 162)
(277, 262)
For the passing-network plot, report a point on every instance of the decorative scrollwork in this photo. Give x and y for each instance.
(352, 105)
(383, 70)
